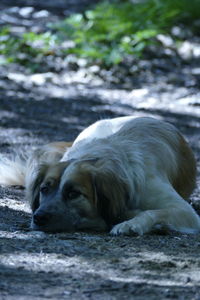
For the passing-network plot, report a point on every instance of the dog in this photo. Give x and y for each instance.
(124, 175)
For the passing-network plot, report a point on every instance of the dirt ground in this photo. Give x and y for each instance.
(35, 109)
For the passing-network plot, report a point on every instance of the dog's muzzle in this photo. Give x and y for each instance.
(41, 218)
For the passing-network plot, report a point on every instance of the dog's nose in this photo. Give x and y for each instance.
(41, 218)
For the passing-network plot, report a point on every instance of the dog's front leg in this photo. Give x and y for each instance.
(140, 224)
(164, 207)
(180, 220)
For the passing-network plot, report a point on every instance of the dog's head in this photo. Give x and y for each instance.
(78, 195)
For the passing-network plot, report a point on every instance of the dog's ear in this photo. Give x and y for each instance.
(33, 190)
(44, 172)
(110, 190)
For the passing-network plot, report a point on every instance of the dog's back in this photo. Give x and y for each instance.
(162, 147)
(170, 148)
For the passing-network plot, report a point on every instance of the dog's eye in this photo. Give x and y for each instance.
(47, 186)
(70, 195)
(44, 188)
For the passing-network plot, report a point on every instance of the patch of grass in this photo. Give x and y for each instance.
(106, 34)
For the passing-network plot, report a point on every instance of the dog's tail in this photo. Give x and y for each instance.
(12, 170)
(21, 168)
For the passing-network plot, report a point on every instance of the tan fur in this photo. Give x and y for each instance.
(83, 180)
(126, 174)
(47, 174)
(60, 146)
(185, 181)
(19, 168)
(53, 172)
(134, 175)
(51, 152)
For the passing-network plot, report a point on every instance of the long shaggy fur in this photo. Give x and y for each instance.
(12, 171)
(21, 167)
(125, 174)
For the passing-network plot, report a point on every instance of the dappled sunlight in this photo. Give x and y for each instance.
(161, 95)
(37, 79)
(45, 262)
(25, 236)
(82, 76)
(53, 84)
(7, 114)
(139, 268)
(189, 49)
(18, 205)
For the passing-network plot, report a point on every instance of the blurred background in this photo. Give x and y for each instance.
(63, 65)
(122, 43)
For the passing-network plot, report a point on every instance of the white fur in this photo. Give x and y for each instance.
(12, 171)
(102, 128)
(143, 153)
(98, 130)
(148, 152)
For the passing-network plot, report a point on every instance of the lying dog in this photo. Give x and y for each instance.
(125, 174)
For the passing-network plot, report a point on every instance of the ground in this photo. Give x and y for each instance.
(39, 108)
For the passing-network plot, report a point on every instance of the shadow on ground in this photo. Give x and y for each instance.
(35, 265)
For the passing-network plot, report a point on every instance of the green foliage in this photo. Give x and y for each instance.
(28, 49)
(108, 33)
(113, 30)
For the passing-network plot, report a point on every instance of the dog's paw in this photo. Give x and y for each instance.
(128, 228)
